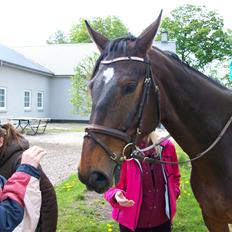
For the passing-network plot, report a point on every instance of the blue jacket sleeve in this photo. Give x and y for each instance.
(11, 212)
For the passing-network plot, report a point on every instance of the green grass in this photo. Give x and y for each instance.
(58, 130)
(76, 214)
(60, 127)
(188, 217)
(70, 127)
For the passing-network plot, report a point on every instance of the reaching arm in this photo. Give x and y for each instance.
(12, 196)
(20, 197)
(118, 190)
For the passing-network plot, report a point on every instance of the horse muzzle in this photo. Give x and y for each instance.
(96, 181)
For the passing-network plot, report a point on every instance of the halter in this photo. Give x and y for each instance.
(93, 129)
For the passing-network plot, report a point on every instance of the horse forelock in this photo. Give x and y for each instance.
(115, 48)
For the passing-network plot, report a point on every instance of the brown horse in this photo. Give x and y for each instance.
(192, 107)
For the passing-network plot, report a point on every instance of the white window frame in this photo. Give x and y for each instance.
(3, 109)
(40, 108)
(27, 108)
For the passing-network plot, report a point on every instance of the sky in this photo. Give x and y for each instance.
(32, 22)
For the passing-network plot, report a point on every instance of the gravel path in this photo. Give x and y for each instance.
(64, 149)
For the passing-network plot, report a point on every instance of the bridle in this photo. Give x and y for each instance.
(93, 130)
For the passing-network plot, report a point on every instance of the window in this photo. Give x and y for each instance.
(40, 100)
(27, 100)
(2, 99)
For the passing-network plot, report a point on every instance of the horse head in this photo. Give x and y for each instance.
(125, 104)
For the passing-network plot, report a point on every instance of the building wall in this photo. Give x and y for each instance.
(56, 91)
(61, 108)
(16, 81)
(56, 95)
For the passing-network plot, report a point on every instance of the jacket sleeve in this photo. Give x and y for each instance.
(120, 186)
(49, 209)
(13, 196)
(175, 168)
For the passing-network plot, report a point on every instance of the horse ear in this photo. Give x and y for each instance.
(98, 39)
(144, 41)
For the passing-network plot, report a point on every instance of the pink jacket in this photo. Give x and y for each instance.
(131, 184)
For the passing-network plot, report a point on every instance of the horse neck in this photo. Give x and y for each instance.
(193, 109)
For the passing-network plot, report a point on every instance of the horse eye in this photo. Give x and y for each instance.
(130, 88)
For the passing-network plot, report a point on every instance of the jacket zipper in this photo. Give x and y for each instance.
(119, 210)
(166, 189)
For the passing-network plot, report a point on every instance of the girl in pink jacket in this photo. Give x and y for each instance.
(144, 199)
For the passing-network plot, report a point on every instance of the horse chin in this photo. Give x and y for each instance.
(98, 182)
(97, 189)
(100, 191)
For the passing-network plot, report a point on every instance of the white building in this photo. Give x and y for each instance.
(37, 83)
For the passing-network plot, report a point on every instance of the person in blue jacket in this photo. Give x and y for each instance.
(20, 197)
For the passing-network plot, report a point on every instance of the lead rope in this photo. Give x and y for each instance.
(139, 153)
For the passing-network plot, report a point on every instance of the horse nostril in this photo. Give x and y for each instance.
(99, 182)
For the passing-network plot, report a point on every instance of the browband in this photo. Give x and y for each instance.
(135, 58)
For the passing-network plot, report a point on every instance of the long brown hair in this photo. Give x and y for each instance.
(9, 133)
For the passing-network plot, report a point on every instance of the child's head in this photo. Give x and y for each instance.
(7, 134)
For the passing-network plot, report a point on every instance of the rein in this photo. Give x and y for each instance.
(139, 153)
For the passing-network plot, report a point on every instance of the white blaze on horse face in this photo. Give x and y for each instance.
(108, 74)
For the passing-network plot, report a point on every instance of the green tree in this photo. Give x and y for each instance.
(199, 34)
(229, 33)
(220, 71)
(57, 38)
(80, 99)
(111, 27)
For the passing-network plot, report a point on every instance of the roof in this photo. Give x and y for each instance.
(166, 46)
(11, 57)
(61, 59)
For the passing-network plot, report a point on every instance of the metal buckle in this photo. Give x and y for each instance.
(123, 157)
(147, 80)
(138, 131)
(156, 89)
(114, 157)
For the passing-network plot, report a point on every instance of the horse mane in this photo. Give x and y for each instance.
(113, 46)
(120, 45)
(175, 57)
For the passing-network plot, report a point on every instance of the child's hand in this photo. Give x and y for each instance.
(122, 200)
(33, 155)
